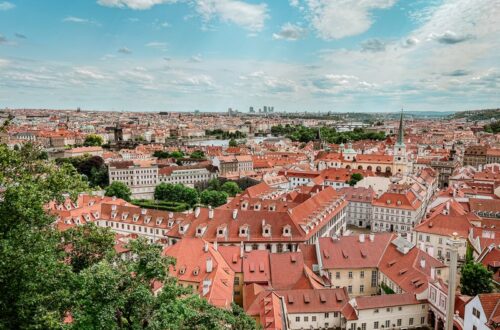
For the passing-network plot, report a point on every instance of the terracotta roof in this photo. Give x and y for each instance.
(315, 301)
(348, 252)
(383, 301)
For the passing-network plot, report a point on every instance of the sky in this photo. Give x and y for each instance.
(210, 55)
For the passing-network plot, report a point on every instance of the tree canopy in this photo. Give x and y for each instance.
(119, 190)
(176, 193)
(304, 134)
(475, 279)
(231, 188)
(93, 168)
(93, 140)
(47, 276)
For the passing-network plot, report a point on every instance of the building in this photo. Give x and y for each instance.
(233, 164)
(396, 211)
(141, 176)
(200, 266)
(397, 311)
(187, 175)
(483, 312)
(477, 155)
(81, 151)
(359, 209)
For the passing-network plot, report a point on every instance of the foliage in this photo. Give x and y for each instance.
(306, 134)
(233, 143)
(119, 190)
(161, 205)
(176, 193)
(87, 245)
(224, 135)
(92, 167)
(231, 188)
(355, 178)
(213, 198)
(493, 127)
(177, 154)
(475, 279)
(93, 140)
(161, 154)
(197, 154)
(44, 275)
(386, 289)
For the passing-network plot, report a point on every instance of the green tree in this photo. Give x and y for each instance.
(119, 190)
(214, 184)
(88, 244)
(213, 198)
(233, 143)
(35, 282)
(161, 154)
(198, 154)
(164, 192)
(92, 167)
(355, 178)
(93, 140)
(177, 154)
(45, 274)
(475, 279)
(231, 188)
(176, 193)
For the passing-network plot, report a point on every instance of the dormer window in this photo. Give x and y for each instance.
(257, 207)
(113, 207)
(159, 221)
(243, 231)
(113, 214)
(287, 231)
(170, 223)
(182, 270)
(272, 207)
(135, 217)
(144, 211)
(266, 231)
(96, 215)
(124, 216)
(196, 271)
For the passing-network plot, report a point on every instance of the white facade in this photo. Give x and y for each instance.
(474, 316)
(188, 176)
(299, 321)
(141, 180)
(397, 317)
(394, 219)
(359, 213)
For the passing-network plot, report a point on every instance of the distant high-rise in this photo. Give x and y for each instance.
(251, 110)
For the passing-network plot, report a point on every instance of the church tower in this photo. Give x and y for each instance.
(400, 157)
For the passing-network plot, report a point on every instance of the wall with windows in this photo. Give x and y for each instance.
(474, 317)
(398, 317)
(358, 281)
(318, 320)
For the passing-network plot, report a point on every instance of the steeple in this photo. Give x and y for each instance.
(401, 130)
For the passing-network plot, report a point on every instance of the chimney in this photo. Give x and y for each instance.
(422, 263)
(170, 215)
(210, 212)
(372, 237)
(433, 273)
(361, 238)
(216, 245)
(242, 250)
(205, 247)
(406, 249)
(235, 214)
(209, 265)
(448, 207)
(197, 212)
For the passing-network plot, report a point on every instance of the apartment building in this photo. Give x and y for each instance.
(187, 175)
(140, 176)
(359, 209)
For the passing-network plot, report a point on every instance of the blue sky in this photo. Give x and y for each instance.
(297, 55)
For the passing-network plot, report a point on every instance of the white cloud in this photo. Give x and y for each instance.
(336, 19)
(89, 73)
(290, 32)
(5, 5)
(157, 45)
(79, 20)
(133, 4)
(124, 50)
(249, 16)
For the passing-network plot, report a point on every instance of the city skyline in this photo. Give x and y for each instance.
(297, 55)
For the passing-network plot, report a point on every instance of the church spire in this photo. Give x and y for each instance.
(401, 130)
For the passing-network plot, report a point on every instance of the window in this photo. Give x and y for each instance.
(374, 278)
(476, 313)
(337, 275)
(353, 326)
(236, 280)
(349, 289)
(326, 315)
(306, 318)
(399, 322)
(376, 311)
(336, 314)
(363, 326)
(387, 323)
(362, 274)
(400, 308)
(410, 321)
(388, 309)
(297, 319)
(361, 288)
(313, 318)
(474, 327)
(350, 274)
(375, 325)
(422, 320)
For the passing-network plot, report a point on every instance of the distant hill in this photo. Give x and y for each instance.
(477, 115)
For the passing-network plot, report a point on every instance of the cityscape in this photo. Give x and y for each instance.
(237, 164)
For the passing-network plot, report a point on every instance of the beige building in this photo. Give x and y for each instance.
(140, 176)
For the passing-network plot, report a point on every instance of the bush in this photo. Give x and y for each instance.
(161, 205)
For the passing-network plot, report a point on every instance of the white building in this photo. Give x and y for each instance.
(140, 176)
(483, 312)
